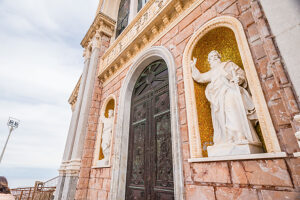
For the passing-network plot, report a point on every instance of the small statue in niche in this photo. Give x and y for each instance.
(232, 109)
(106, 136)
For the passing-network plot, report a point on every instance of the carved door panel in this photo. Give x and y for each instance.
(149, 166)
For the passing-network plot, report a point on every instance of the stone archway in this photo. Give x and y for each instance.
(150, 166)
(264, 117)
(118, 182)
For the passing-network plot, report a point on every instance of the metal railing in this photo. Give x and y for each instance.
(40, 191)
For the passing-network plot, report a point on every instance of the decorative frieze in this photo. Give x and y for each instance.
(140, 32)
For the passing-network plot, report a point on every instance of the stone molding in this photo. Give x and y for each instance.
(297, 134)
(102, 25)
(139, 33)
(241, 157)
(73, 98)
(296, 154)
(99, 133)
(70, 168)
(63, 167)
(118, 181)
(264, 117)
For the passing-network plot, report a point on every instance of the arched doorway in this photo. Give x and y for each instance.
(150, 165)
(121, 145)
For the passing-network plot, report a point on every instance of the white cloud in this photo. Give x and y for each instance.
(40, 63)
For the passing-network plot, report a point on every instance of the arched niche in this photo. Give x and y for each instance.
(226, 35)
(118, 181)
(109, 104)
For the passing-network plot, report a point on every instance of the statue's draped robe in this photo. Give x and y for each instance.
(106, 135)
(226, 105)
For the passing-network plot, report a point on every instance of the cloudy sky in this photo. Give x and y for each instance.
(40, 63)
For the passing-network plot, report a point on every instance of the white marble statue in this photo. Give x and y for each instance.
(233, 112)
(106, 136)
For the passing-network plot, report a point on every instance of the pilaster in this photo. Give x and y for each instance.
(77, 101)
(102, 26)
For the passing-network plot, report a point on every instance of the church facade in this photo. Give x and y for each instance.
(186, 100)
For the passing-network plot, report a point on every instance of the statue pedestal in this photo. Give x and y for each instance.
(103, 163)
(234, 149)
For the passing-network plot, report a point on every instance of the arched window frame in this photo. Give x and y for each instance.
(100, 130)
(120, 22)
(264, 117)
(141, 4)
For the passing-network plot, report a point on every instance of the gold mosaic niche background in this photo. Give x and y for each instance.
(223, 40)
(110, 105)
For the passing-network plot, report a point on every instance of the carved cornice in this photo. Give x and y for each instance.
(73, 98)
(149, 22)
(103, 25)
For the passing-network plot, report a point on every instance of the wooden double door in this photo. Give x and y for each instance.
(150, 166)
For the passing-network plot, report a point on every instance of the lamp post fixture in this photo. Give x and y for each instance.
(12, 124)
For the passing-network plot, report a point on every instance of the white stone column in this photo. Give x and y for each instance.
(75, 154)
(72, 128)
(76, 113)
(87, 99)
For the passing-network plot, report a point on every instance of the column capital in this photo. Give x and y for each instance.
(96, 40)
(87, 53)
(102, 25)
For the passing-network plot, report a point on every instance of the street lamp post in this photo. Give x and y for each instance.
(12, 124)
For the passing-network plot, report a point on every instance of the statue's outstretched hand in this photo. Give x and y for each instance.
(195, 71)
(197, 75)
(193, 63)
